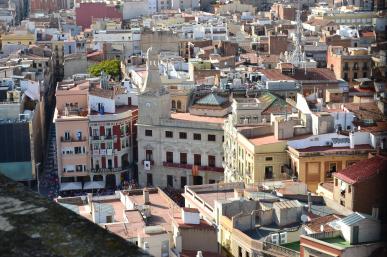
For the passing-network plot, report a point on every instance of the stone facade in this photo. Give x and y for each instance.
(170, 147)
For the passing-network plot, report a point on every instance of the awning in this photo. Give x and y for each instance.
(70, 186)
(94, 185)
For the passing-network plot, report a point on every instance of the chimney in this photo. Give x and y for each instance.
(309, 202)
(199, 254)
(145, 193)
(352, 140)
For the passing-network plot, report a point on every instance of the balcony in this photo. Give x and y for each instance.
(108, 170)
(189, 166)
(355, 68)
(72, 139)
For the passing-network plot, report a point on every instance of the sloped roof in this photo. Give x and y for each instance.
(363, 170)
(274, 104)
(267, 98)
(315, 224)
(354, 218)
(212, 99)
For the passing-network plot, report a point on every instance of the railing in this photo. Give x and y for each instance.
(280, 249)
(72, 139)
(108, 170)
(189, 166)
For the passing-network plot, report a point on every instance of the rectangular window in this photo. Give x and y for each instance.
(211, 160)
(183, 158)
(349, 189)
(148, 155)
(197, 136)
(197, 159)
(108, 133)
(169, 134)
(211, 138)
(268, 172)
(95, 132)
(148, 132)
(336, 182)
(77, 150)
(269, 158)
(149, 179)
(183, 135)
(240, 251)
(169, 157)
(169, 181)
(183, 182)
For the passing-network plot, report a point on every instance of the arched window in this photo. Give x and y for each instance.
(173, 104)
(178, 104)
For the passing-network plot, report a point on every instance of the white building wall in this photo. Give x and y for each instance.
(109, 104)
(134, 9)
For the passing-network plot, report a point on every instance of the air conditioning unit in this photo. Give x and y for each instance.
(274, 239)
(147, 165)
(283, 238)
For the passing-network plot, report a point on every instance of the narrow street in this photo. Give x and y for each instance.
(49, 184)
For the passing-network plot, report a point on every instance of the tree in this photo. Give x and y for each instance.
(110, 67)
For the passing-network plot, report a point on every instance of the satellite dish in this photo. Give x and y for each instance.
(304, 218)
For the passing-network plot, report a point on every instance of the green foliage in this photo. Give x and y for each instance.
(110, 67)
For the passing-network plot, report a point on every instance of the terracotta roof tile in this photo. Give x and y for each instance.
(363, 170)
(315, 224)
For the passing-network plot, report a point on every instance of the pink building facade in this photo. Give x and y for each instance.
(95, 135)
(87, 11)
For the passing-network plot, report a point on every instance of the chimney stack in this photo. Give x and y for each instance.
(309, 201)
(145, 193)
(199, 254)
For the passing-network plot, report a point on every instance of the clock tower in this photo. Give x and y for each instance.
(154, 101)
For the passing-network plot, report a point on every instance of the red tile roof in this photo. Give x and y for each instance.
(363, 170)
(312, 74)
(330, 148)
(315, 224)
(191, 210)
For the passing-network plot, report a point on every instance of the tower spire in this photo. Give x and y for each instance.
(152, 80)
(297, 56)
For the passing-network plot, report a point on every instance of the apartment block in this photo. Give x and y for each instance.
(360, 187)
(175, 149)
(95, 134)
(349, 63)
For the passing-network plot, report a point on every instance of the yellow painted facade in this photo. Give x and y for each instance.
(314, 168)
(23, 39)
(252, 162)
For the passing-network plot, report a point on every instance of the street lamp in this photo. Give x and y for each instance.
(37, 175)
